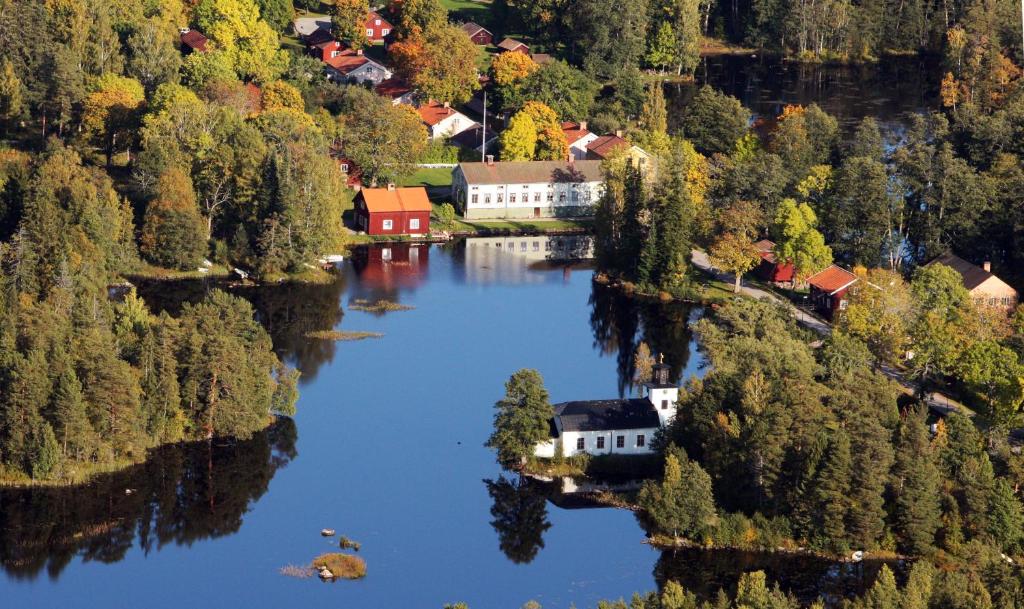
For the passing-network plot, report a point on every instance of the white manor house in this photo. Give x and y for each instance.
(605, 427)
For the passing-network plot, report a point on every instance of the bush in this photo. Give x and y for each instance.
(440, 151)
(342, 565)
(446, 215)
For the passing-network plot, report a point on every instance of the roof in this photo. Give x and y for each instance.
(473, 29)
(346, 61)
(765, 248)
(393, 87)
(832, 279)
(305, 26)
(319, 37)
(194, 40)
(972, 274)
(531, 172)
(574, 132)
(607, 415)
(434, 112)
(511, 44)
(605, 145)
(375, 15)
(395, 199)
(471, 138)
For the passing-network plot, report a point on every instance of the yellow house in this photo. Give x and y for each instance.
(986, 289)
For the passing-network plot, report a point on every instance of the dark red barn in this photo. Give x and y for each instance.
(829, 288)
(393, 211)
(769, 268)
(478, 33)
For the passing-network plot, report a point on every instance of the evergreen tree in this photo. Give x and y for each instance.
(915, 485)
(832, 491)
(173, 231)
(73, 429)
(1005, 518)
(883, 594)
(662, 48)
(682, 504)
(522, 417)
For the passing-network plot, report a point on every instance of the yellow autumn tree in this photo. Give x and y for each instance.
(280, 95)
(510, 68)
(551, 142)
(519, 140)
(111, 113)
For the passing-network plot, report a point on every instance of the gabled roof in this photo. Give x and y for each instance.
(511, 44)
(605, 145)
(766, 249)
(318, 37)
(531, 172)
(434, 112)
(574, 132)
(194, 40)
(393, 87)
(395, 199)
(972, 274)
(832, 279)
(472, 29)
(372, 15)
(607, 415)
(348, 60)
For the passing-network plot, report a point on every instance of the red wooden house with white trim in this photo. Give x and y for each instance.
(393, 211)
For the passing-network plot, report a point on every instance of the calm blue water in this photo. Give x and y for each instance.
(387, 448)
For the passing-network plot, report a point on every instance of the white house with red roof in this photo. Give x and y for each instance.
(353, 66)
(578, 138)
(442, 120)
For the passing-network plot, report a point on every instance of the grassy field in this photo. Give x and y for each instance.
(429, 176)
(464, 226)
(477, 11)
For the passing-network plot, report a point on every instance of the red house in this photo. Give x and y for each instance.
(478, 33)
(829, 288)
(769, 269)
(393, 211)
(377, 27)
(192, 41)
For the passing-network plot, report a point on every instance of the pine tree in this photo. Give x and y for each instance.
(73, 429)
(832, 490)
(12, 101)
(1005, 518)
(916, 485)
(45, 452)
(883, 594)
(522, 417)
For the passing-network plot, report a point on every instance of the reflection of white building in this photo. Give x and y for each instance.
(516, 259)
(605, 427)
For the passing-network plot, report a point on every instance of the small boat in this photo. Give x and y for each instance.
(327, 532)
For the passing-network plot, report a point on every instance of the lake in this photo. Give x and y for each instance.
(387, 448)
(890, 91)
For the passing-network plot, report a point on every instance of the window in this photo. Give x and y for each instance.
(501, 198)
(414, 223)
(561, 197)
(600, 443)
(385, 254)
(376, 21)
(487, 199)
(476, 198)
(620, 442)
(536, 197)
(664, 404)
(842, 305)
(640, 440)
(522, 246)
(511, 246)
(536, 246)
(580, 443)
(551, 197)
(512, 198)
(344, 167)
(335, 53)
(384, 32)
(388, 224)
(547, 246)
(575, 196)
(369, 32)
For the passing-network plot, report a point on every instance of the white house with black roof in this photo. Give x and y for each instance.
(605, 427)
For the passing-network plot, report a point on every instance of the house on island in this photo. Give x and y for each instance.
(578, 138)
(511, 45)
(605, 427)
(192, 41)
(442, 120)
(392, 211)
(769, 268)
(829, 288)
(526, 189)
(985, 288)
(478, 33)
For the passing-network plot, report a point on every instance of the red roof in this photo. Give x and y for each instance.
(393, 87)
(374, 15)
(194, 40)
(605, 145)
(832, 279)
(574, 132)
(434, 112)
(395, 199)
(765, 249)
(346, 61)
(511, 44)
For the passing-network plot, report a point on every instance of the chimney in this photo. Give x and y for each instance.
(987, 266)
(618, 133)
(490, 159)
(391, 185)
(583, 125)
(568, 157)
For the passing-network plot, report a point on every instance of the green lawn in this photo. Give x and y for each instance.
(477, 11)
(429, 176)
(464, 226)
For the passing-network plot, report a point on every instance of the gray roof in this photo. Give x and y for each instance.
(531, 172)
(607, 415)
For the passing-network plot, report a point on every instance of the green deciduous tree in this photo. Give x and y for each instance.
(714, 121)
(682, 504)
(522, 417)
(797, 239)
(173, 232)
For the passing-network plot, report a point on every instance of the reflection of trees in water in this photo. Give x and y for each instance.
(620, 323)
(287, 310)
(181, 494)
(704, 572)
(520, 514)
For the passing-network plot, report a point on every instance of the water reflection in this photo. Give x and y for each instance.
(515, 260)
(181, 494)
(520, 515)
(620, 323)
(888, 91)
(384, 271)
(808, 578)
